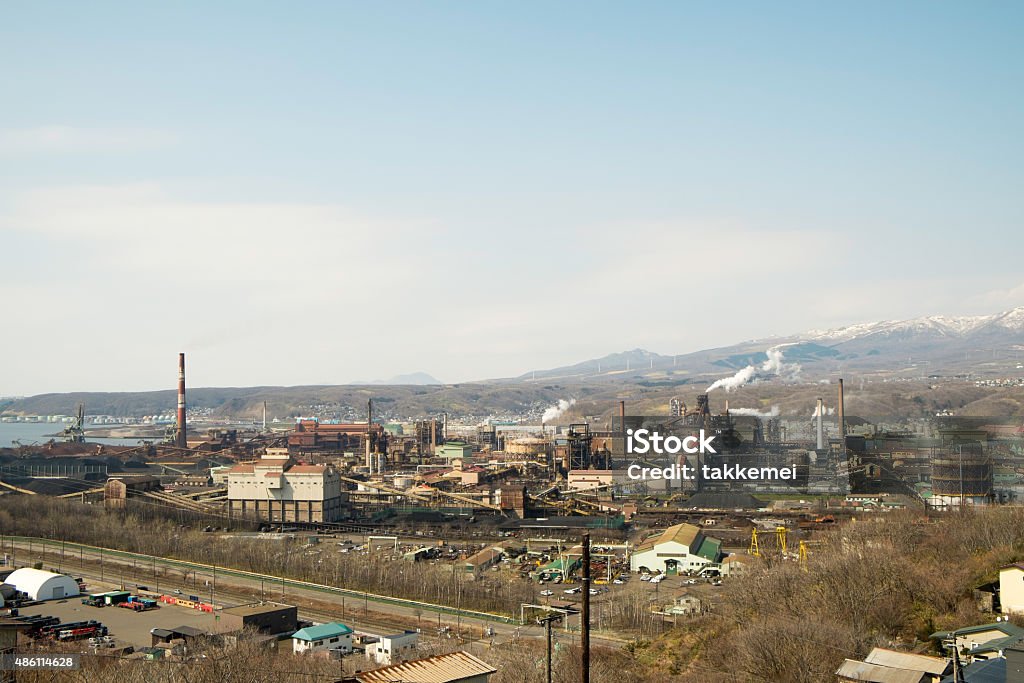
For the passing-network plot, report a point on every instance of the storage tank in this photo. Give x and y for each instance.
(964, 472)
(527, 448)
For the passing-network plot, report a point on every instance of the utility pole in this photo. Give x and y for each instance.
(585, 615)
(547, 621)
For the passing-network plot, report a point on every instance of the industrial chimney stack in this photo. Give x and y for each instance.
(369, 436)
(821, 426)
(180, 439)
(842, 415)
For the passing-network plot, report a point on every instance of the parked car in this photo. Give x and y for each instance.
(547, 593)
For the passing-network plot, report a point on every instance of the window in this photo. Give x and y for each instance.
(334, 640)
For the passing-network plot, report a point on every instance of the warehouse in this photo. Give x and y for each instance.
(269, 617)
(678, 549)
(40, 585)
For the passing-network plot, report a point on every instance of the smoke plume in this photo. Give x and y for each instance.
(753, 412)
(828, 411)
(555, 411)
(773, 366)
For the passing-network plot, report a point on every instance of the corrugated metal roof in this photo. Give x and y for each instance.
(908, 660)
(439, 669)
(684, 534)
(872, 673)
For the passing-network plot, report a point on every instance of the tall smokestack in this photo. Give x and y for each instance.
(821, 427)
(842, 415)
(369, 426)
(264, 416)
(180, 439)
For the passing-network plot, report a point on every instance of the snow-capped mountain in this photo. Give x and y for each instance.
(934, 325)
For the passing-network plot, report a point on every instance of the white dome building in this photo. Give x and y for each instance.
(40, 585)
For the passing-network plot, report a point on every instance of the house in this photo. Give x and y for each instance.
(736, 564)
(684, 605)
(394, 648)
(332, 636)
(862, 672)
(678, 549)
(985, 640)
(934, 668)
(460, 667)
(1011, 588)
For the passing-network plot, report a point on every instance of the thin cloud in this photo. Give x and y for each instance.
(70, 139)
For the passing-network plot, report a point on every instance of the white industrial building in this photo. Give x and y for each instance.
(391, 649)
(679, 549)
(41, 585)
(278, 489)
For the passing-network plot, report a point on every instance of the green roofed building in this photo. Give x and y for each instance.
(332, 636)
(678, 549)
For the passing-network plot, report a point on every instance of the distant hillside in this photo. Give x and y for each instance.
(911, 367)
(986, 346)
(413, 379)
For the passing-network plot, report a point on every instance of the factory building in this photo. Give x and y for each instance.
(278, 489)
(678, 549)
(314, 436)
(41, 585)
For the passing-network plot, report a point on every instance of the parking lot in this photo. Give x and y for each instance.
(126, 627)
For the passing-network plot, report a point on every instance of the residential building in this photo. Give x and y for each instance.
(394, 648)
(1011, 588)
(332, 636)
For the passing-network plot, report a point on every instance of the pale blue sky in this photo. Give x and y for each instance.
(476, 170)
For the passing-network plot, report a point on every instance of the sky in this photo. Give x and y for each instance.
(325, 192)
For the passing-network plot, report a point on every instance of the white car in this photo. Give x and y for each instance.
(645, 577)
(618, 582)
(547, 593)
(571, 591)
(594, 591)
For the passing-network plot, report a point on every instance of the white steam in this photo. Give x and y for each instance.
(828, 411)
(555, 411)
(753, 412)
(773, 366)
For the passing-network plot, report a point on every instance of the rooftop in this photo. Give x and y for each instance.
(249, 610)
(331, 630)
(863, 671)
(455, 666)
(906, 660)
